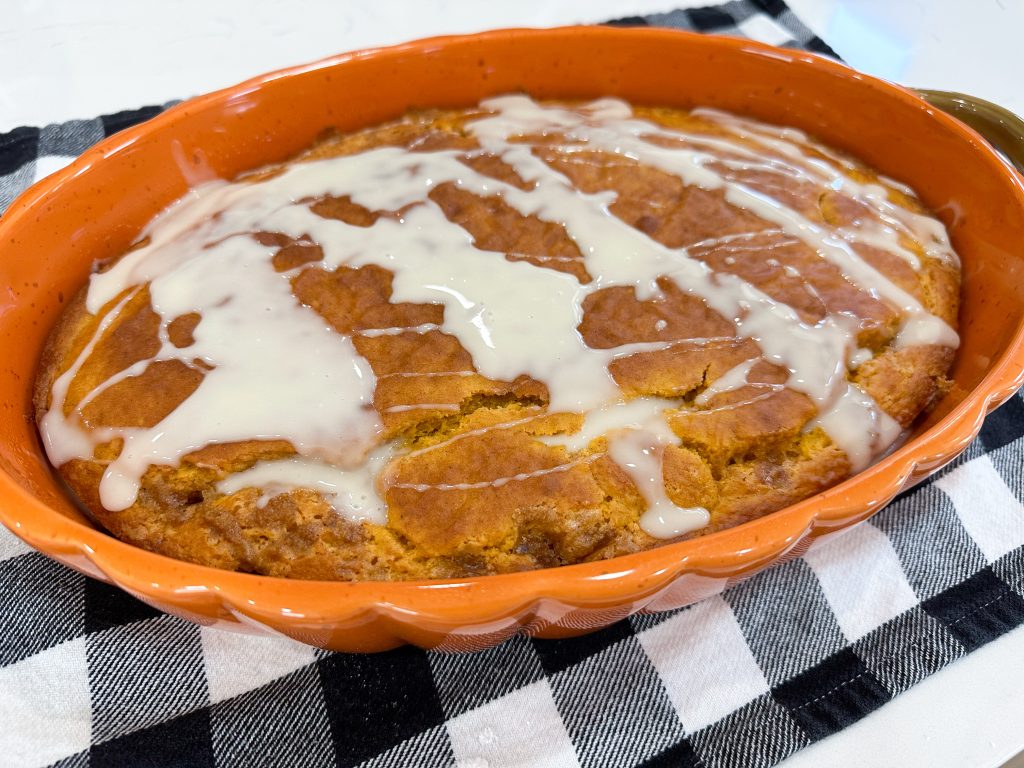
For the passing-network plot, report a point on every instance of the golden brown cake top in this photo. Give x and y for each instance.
(464, 324)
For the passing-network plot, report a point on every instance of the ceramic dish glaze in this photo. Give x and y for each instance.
(95, 208)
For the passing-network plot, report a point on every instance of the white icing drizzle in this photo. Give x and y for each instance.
(637, 435)
(738, 404)
(422, 407)
(328, 412)
(351, 490)
(428, 374)
(64, 437)
(858, 357)
(732, 379)
(926, 230)
(477, 432)
(314, 390)
(855, 413)
(397, 331)
(640, 454)
(641, 413)
(497, 482)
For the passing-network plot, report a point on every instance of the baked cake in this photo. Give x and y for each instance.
(517, 336)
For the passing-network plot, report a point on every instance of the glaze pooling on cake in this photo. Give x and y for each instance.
(525, 319)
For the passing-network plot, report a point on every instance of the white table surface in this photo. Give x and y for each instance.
(63, 59)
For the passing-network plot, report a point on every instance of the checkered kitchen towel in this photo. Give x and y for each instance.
(91, 677)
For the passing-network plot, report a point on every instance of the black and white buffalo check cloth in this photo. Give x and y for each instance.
(91, 677)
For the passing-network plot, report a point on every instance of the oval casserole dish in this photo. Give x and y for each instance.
(95, 208)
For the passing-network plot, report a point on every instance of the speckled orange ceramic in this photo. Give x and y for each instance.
(95, 207)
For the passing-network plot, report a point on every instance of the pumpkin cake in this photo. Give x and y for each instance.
(517, 336)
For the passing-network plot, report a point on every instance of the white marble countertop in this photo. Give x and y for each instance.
(64, 59)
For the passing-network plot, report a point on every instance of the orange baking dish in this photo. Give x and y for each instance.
(96, 207)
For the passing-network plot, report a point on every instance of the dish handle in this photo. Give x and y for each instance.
(998, 125)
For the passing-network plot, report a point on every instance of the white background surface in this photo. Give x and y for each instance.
(63, 59)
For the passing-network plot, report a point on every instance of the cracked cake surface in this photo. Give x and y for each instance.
(516, 336)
